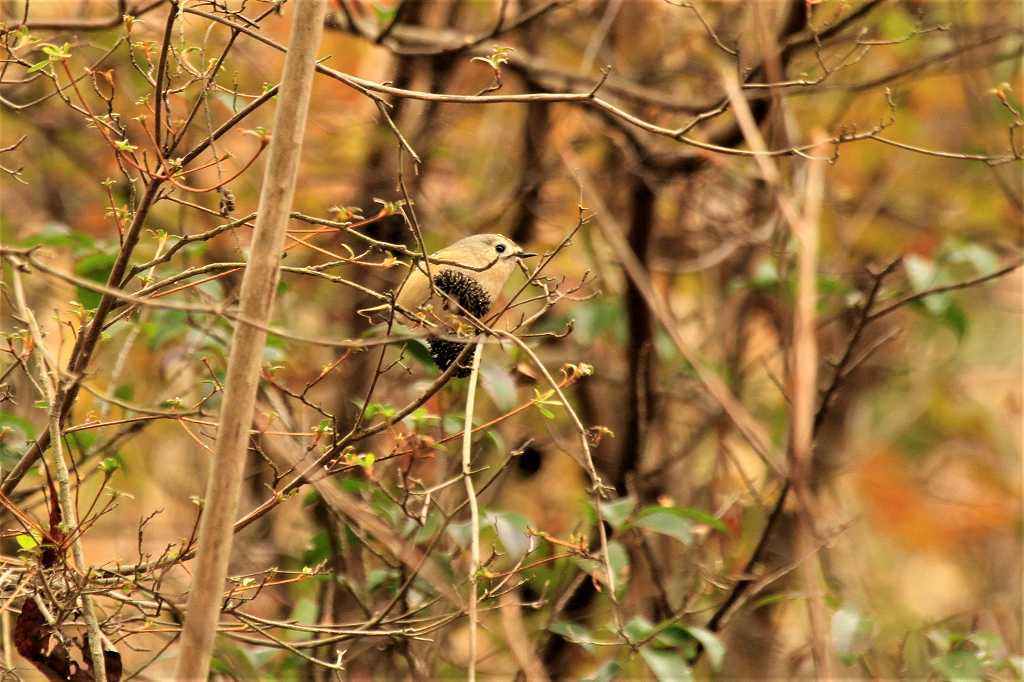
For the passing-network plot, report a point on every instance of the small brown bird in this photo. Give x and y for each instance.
(487, 262)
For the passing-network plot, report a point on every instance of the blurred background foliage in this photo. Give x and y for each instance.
(917, 462)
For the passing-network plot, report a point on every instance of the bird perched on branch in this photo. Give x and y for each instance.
(468, 277)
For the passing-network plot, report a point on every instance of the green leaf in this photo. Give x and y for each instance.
(920, 271)
(83, 439)
(845, 623)
(989, 644)
(667, 665)
(852, 634)
(914, 654)
(922, 274)
(958, 665)
(304, 610)
(765, 275)
(700, 516)
(618, 557)
(713, 646)
(681, 638)
(499, 385)
(573, 632)
(428, 530)
(96, 267)
(375, 409)
(609, 672)
(18, 423)
(380, 577)
(15, 432)
(665, 520)
(511, 529)
(419, 352)
(385, 15)
(163, 326)
(461, 532)
(638, 628)
(979, 257)
(27, 541)
(617, 511)
(599, 319)
(955, 318)
(110, 464)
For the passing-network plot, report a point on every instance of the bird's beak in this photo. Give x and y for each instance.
(525, 254)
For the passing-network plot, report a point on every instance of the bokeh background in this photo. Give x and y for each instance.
(917, 464)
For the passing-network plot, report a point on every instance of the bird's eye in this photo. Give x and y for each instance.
(500, 248)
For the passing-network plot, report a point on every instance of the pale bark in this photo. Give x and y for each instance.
(257, 296)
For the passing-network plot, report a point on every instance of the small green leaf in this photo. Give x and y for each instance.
(958, 666)
(573, 632)
(318, 550)
(617, 511)
(638, 628)
(497, 382)
(27, 541)
(110, 464)
(701, 517)
(96, 267)
(380, 577)
(385, 15)
(125, 392)
(665, 520)
(511, 529)
(667, 665)
(765, 275)
(618, 558)
(609, 672)
(982, 259)
(851, 634)
(922, 274)
(955, 318)
(381, 409)
(461, 533)
(164, 326)
(59, 234)
(712, 644)
(419, 352)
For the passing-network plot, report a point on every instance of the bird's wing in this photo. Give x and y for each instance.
(415, 291)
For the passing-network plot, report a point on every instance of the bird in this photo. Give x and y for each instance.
(470, 275)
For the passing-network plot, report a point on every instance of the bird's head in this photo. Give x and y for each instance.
(481, 249)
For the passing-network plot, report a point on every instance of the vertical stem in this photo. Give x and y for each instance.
(258, 285)
(474, 511)
(5, 624)
(161, 71)
(54, 394)
(805, 394)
